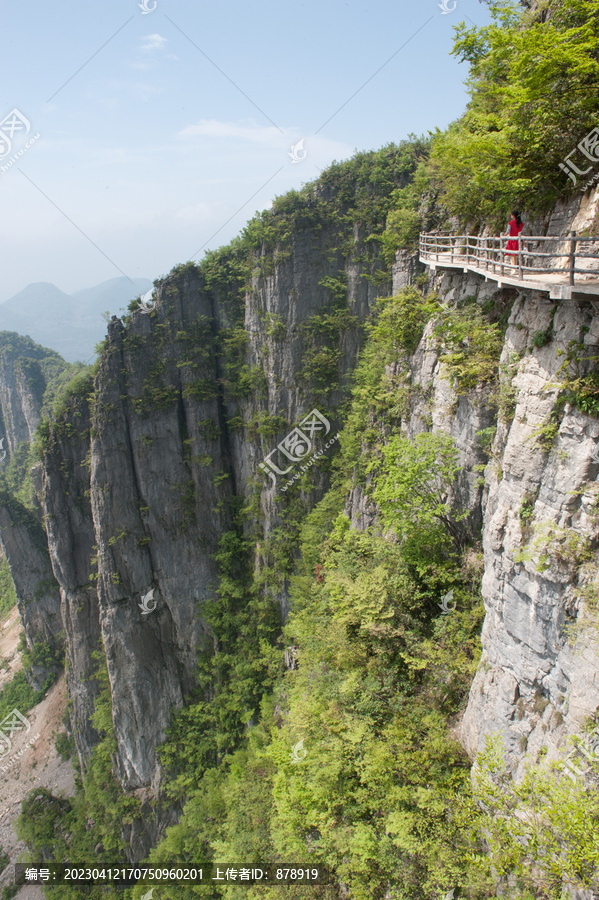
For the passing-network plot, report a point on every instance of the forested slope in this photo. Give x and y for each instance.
(309, 687)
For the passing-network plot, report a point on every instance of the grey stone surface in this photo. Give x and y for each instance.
(64, 495)
(163, 468)
(25, 546)
(164, 465)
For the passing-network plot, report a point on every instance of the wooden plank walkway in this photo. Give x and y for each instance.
(561, 268)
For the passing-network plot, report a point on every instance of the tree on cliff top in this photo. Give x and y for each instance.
(534, 86)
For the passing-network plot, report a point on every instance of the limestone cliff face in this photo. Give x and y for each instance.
(160, 472)
(20, 398)
(536, 683)
(25, 546)
(173, 440)
(64, 494)
(189, 400)
(23, 369)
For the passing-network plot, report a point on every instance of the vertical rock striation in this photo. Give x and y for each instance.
(25, 546)
(23, 382)
(65, 498)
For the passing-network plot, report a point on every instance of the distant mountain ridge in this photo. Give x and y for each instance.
(71, 324)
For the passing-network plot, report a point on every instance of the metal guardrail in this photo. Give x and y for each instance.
(491, 254)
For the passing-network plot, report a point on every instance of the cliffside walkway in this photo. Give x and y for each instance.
(559, 265)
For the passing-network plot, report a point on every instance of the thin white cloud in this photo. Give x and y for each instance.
(229, 137)
(247, 132)
(153, 42)
(202, 213)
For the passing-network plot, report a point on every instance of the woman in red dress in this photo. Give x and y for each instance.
(514, 228)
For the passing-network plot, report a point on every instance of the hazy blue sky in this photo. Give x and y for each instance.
(152, 152)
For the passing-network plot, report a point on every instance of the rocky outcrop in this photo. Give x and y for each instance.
(165, 461)
(138, 486)
(23, 382)
(25, 546)
(64, 489)
(160, 480)
(538, 680)
(188, 402)
(536, 684)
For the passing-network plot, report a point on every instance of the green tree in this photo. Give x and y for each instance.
(542, 829)
(534, 86)
(413, 486)
(8, 597)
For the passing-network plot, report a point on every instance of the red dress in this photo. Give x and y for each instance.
(515, 230)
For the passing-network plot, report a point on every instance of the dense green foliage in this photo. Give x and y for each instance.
(547, 822)
(18, 694)
(49, 379)
(470, 346)
(534, 95)
(413, 494)
(8, 598)
(378, 672)
(330, 739)
(383, 393)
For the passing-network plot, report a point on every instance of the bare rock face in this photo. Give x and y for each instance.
(138, 486)
(25, 546)
(535, 685)
(160, 479)
(538, 678)
(22, 385)
(64, 488)
(165, 464)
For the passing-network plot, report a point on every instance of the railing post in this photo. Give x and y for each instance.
(519, 258)
(572, 255)
(501, 255)
(451, 247)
